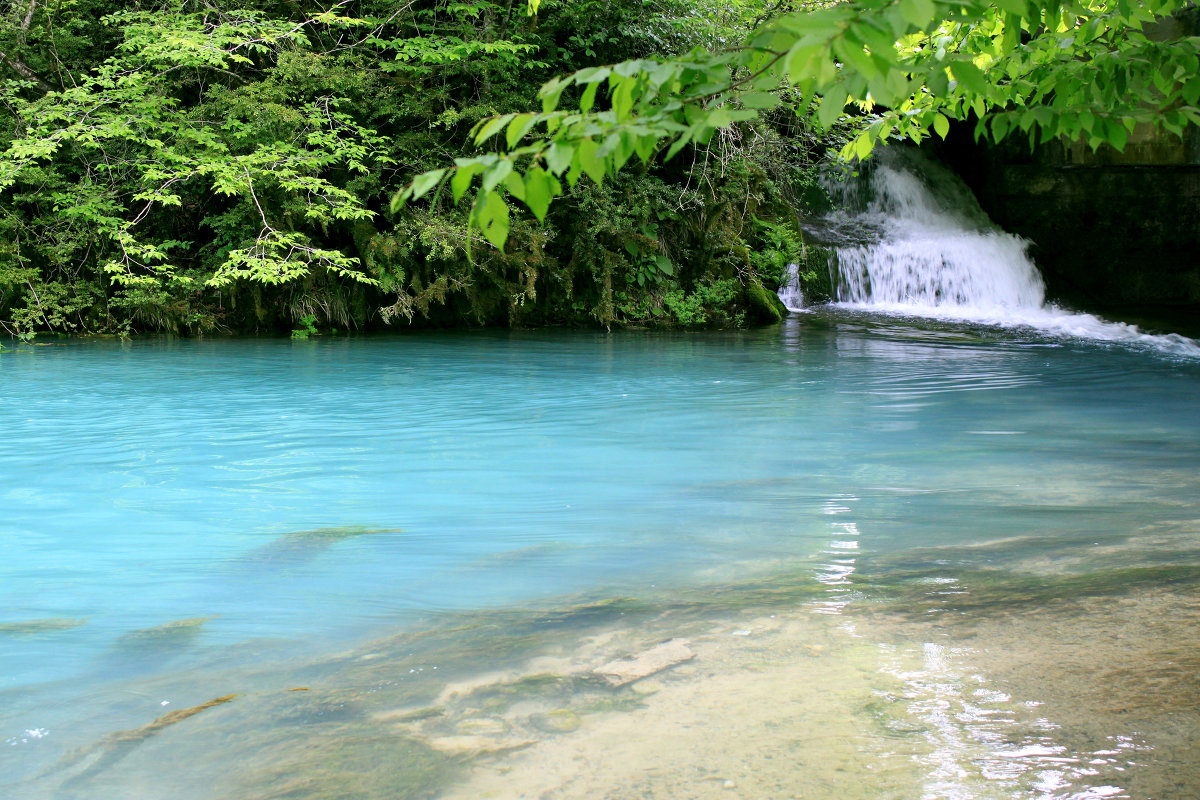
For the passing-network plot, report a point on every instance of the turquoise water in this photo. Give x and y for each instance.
(279, 500)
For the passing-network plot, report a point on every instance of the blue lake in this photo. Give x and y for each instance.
(182, 520)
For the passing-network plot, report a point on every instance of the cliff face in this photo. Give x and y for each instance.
(1108, 228)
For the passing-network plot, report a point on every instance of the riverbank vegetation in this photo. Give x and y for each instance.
(202, 167)
(199, 169)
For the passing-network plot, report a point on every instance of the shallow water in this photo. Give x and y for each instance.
(911, 559)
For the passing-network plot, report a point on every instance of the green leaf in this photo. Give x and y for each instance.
(831, 109)
(492, 127)
(679, 144)
(880, 41)
(490, 216)
(1117, 134)
(759, 99)
(1018, 8)
(519, 126)
(559, 157)
(718, 117)
(622, 98)
(594, 166)
(592, 75)
(551, 92)
(539, 190)
(970, 77)
(863, 146)
(941, 125)
(644, 147)
(1001, 124)
(589, 98)
(462, 179)
(850, 50)
(664, 265)
(1191, 91)
(496, 173)
(424, 182)
(661, 74)
(515, 185)
(918, 12)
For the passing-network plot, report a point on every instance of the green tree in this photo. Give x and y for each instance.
(194, 166)
(904, 67)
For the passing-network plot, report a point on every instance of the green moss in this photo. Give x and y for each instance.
(765, 306)
(615, 703)
(340, 767)
(420, 714)
(813, 269)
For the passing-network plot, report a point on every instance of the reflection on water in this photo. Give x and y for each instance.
(907, 561)
(985, 744)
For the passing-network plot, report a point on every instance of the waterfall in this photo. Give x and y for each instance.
(789, 292)
(936, 248)
(909, 238)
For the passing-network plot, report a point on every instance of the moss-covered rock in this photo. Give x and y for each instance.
(764, 305)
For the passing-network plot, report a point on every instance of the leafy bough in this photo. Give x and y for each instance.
(1075, 69)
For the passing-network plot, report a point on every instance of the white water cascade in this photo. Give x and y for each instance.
(790, 293)
(925, 248)
(937, 250)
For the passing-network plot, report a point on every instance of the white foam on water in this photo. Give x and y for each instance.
(939, 256)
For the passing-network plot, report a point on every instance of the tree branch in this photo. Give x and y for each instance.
(25, 23)
(22, 69)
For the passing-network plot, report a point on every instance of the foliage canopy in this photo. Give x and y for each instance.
(1043, 68)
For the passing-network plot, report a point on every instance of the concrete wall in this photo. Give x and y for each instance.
(1108, 228)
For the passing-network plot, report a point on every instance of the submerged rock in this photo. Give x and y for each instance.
(646, 663)
(406, 715)
(174, 633)
(83, 764)
(485, 726)
(36, 626)
(299, 546)
(562, 720)
(476, 745)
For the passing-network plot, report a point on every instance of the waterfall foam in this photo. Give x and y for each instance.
(934, 253)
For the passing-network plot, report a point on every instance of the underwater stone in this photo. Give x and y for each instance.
(36, 626)
(482, 726)
(646, 663)
(476, 745)
(170, 633)
(82, 764)
(409, 714)
(562, 720)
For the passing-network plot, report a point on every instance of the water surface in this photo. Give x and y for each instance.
(963, 559)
